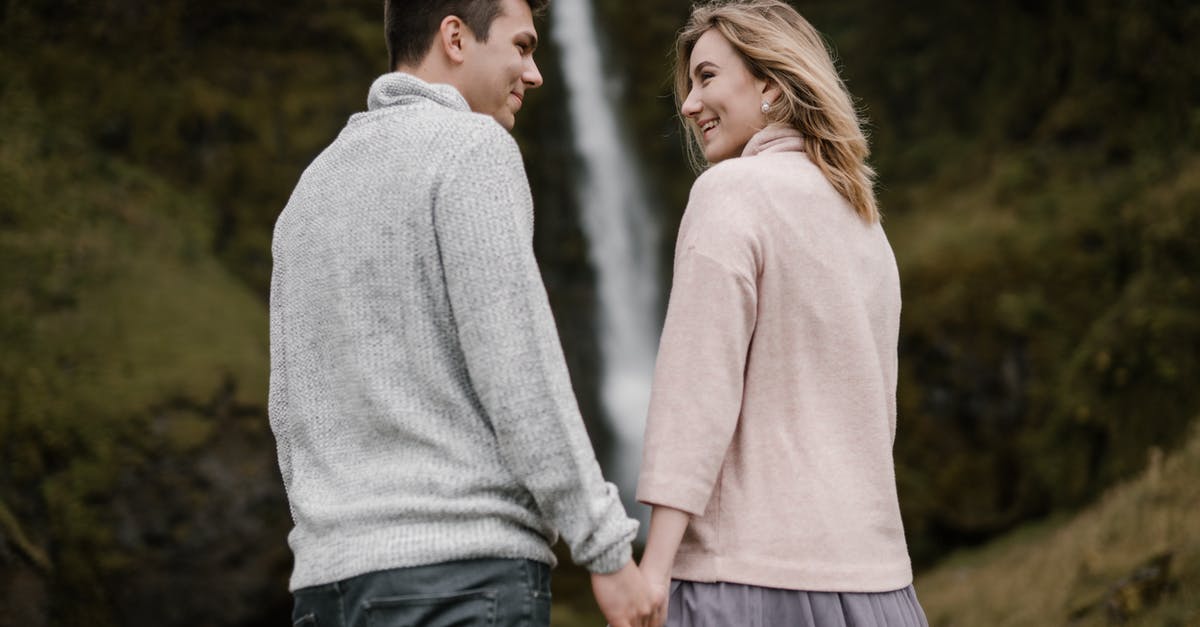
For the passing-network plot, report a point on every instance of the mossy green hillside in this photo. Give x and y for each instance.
(1037, 167)
(1047, 338)
(122, 333)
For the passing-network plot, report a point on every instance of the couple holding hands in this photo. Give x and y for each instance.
(428, 436)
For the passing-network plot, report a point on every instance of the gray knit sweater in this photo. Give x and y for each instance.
(419, 397)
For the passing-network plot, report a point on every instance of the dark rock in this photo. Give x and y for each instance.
(1141, 590)
(1132, 595)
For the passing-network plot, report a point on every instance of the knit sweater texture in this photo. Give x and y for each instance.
(773, 410)
(419, 397)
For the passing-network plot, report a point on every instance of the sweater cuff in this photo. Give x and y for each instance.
(684, 493)
(611, 560)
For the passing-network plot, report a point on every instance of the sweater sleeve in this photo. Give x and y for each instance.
(696, 399)
(483, 224)
(697, 394)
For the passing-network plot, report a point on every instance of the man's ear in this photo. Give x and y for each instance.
(450, 38)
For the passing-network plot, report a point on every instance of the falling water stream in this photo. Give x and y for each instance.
(622, 237)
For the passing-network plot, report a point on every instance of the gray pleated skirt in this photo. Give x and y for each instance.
(694, 604)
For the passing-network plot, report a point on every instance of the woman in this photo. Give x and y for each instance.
(768, 455)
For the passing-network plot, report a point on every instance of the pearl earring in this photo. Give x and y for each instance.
(766, 106)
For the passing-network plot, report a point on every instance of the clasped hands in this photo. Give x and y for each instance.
(637, 596)
(633, 596)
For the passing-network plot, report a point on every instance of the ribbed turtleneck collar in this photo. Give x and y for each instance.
(397, 88)
(774, 138)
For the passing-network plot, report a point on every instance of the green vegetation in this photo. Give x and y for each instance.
(1062, 361)
(1039, 171)
(1046, 247)
(126, 343)
(1038, 176)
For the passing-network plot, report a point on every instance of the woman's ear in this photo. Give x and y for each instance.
(770, 91)
(450, 36)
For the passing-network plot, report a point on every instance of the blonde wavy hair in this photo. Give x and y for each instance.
(780, 46)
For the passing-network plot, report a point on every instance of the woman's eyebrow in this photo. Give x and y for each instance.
(702, 65)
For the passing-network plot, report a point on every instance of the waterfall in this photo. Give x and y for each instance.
(623, 241)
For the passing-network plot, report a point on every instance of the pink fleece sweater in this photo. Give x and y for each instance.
(773, 411)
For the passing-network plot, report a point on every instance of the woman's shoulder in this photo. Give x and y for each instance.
(788, 172)
(730, 175)
(724, 207)
(725, 195)
(745, 187)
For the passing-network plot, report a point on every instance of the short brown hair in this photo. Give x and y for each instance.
(409, 25)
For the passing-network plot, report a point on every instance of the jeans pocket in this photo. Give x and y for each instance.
(469, 608)
(540, 614)
(308, 620)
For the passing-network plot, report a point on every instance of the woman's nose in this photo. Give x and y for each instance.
(691, 105)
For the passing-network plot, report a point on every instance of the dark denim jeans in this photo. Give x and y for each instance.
(468, 593)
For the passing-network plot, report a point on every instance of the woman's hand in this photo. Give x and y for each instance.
(659, 584)
(662, 542)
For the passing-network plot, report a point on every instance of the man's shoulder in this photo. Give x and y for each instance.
(480, 131)
(478, 143)
(451, 129)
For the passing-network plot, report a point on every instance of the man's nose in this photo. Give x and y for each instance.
(532, 77)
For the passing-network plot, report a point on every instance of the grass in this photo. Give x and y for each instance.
(1071, 570)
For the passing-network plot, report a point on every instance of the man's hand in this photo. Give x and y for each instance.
(624, 597)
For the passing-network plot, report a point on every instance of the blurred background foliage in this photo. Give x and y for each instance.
(1039, 173)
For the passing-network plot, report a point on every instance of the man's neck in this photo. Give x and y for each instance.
(430, 73)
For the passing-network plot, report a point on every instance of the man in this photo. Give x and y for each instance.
(428, 437)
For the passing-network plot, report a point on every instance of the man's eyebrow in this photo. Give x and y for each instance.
(530, 38)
